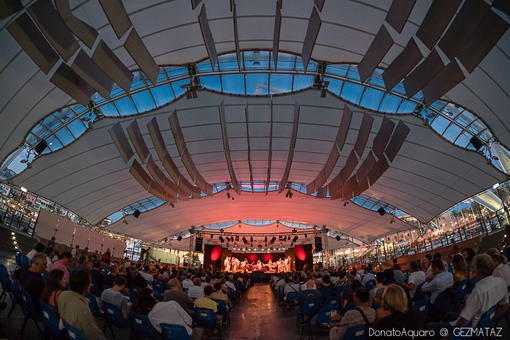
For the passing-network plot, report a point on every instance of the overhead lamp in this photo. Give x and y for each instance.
(245, 240)
(295, 239)
(221, 239)
(227, 244)
(179, 238)
(273, 239)
(337, 237)
(345, 203)
(289, 193)
(237, 237)
(251, 239)
(172, 205)
(392, 219)
(495, 186)
(265, 240)
(212, 235)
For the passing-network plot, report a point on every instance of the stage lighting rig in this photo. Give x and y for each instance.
(295, 239)
(289, 193)
(221, 239)
(245, 240)
(273, 239)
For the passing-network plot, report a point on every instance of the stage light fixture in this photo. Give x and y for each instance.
(292, 245)
(172, 205)
(251, 239)
(237, 237)
(345, 203)
(221, 239)
(306, 235)
(295, 239)
(179, 238)
(245, 240)
(265, 240)
(227, 245)
(273, 239)
(337, 238)
(289, 193)
(212, 235)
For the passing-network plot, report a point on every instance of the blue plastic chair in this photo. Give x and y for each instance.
(487, 318)
(324, 316)
(135, 289)
(159, 286)
(222, 310)
(422, 307)
(472, 284)
(16, 294)
(94, 288)
(289, 300)
(333, 301)
(350, 306)
(131, 297)
(44, 276)
(73, 333)
(174, 332)
(50, 321)
(205, 318)
(30, 310)
(461, 293)
(6, 282)
(104, 271)
(308, 309)
(114, 317)
(356, 333)
(441, 306)
(142, 327)
(93, 305)
(419, 294)
(325, 292)
(157, 295)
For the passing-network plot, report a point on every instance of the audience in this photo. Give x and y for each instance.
(206, 301)
(380, 277)
(188, 282)
(363, 314)
(459, 266)
(176, 294)
(63, 263)
(171, 312)
(97, 276)
(74, 308)
(54, 286)
(136, 279)
(144, 302)
(30, 278)
(442, 280)
(416, 278)
(109, 279)
(501, 268)
(196, 291)
(115, 297)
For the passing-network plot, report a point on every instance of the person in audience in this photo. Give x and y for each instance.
(380, 312)
(501, 269)
(369, 276)
(363, 314)
(107, 257)
(74, 308)
(235, 280)
(196, 291)
(438, 256)
(97, 276)
(51, 243)
(426, 268)
(398, 276)
(30, 278)
(488, 292)
(135, 279)
(63, 263)
(146, 274)
(122, 271)
(76, 251)
(390, 278)
(442, 280)
(325, 283)
(48, 251)
(54, 286)
(219, 295)
(206, 300)
(380, 277)
(56, 253)
(400, 317)
(188, 282)
(112, 275)
(469, 254)
(307, 294)
(293, 286)
(83, 264)
(175, 293)
(114, 296)
(459, 266)
(171, 312)
(230, 284)
(350, 297)
(144, 302)
(416, 278)
(38, 248)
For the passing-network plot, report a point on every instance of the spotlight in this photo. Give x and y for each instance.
(337, 238)
(136, 213)
(251, 239)
(172, 205)
(227, 245)
(392, 219)
(125, 222)
(221, 239)
(295, 239)
(289, 193)
(179, 238)
(273, 239)
(245, 240)
(237, 237)
(306, 235)
(345, 203)
(212, 235)
(265, 240)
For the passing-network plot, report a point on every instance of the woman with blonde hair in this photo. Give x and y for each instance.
(501, 269)
(460, 271)
(395, 301)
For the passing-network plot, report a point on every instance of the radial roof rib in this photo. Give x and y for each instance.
(80, 29)
(314, 26)
(293, 137)
(423, 74)
(138, 142)
(335, 186)
(502, 5)
(363, 134)
(247, 115)
(270, 150)
(463, 26)
(436, 20)
(450, 76)
(383, 136)
(7, 8)
(402, 65)
(208, 37)
(375, 53)
(107, 61)
(427, 175)
(117, 16)
(33, 42)
(93, 75)
(195, 3)
(276, 36)
(319, 4)
(45, 15)
(397, 140)
(71, 83)
(378, 170)
(226, 147)
(236, 36)
(140, 175)
(138, 51)
(486, 36)
(121, 142)
(156, 172)
(366, 166)
(399, 13)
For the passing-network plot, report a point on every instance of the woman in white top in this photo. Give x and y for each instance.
(501, 269)
(416, 278)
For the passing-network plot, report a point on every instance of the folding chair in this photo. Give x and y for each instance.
(222, 310)
(30, 309)
(93, 305)
(356, 333)
(422, 307)
(333, 301)
(16, 294)
(50, 321)
(205, 318)
(73, 333)
(142, 327)
(6, 282)
(289, 300)
(114, 317)
(308, 310)
(130, 296)
(323, 317)
(174, 332)
(325, 293)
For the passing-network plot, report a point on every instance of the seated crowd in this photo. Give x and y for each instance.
(432, 294)
(166, 294)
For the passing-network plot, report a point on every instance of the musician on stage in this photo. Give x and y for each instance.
(227, 264)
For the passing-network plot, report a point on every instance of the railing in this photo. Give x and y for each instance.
(17, 219)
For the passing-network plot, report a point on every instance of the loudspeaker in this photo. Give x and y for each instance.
(198, 244)
(381, 211)
(136, 213)
(179, 238)
(318, 243)
(337, 238)
(476, 143)
(39, 148)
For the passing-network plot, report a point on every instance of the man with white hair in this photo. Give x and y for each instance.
(30, 278)
(308, 294)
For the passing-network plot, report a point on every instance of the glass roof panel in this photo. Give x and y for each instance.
(65, 136)
(256, 60)
(390, 103)
(371, 99)
(109, 110)
(440, 124)
(302, 82)
(338, 70)
(335, 85)
(53, 144)
(285, 61)
(452, 132)
(176, 71)
(281, 83)
(125, 106)
(228, 62)
(51, 122)
(176, 86)
(233, 83)
(138, 81)
(211, 82)
(407, 106)
(256, 84)
(352, 92)
(143, 101)
(162, 94)
(77, 128)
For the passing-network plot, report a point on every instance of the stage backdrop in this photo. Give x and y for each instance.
(259, 256)
(302, 255)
